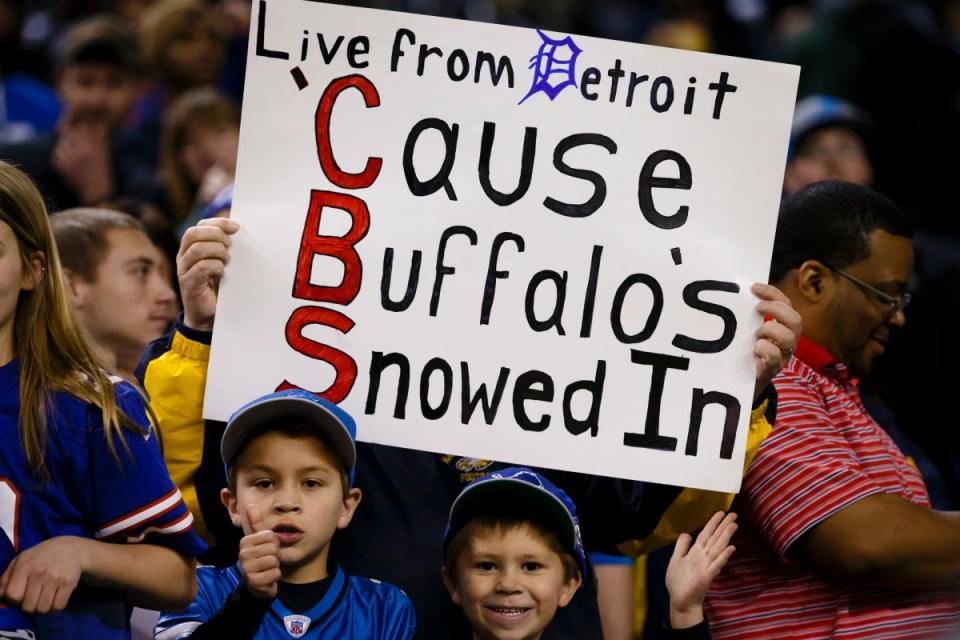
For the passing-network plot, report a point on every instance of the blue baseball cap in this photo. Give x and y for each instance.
(334, 424)
(526, 491)
(820, 111)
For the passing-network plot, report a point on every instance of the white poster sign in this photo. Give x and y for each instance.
(504, 243)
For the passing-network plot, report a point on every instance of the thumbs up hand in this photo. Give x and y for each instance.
(260, 556)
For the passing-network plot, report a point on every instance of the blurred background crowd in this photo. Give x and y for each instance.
(134, 106)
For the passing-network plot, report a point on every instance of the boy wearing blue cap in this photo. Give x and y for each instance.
(513, 555)
(289, 458)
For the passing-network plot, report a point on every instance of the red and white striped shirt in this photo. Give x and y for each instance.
(824, 454)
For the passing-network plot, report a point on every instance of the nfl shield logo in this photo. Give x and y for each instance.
(296, 625)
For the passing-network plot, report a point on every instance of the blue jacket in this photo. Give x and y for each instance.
(349, 608)
(90, 493)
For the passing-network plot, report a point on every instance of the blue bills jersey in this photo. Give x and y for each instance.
(90, 493)
(350, 608)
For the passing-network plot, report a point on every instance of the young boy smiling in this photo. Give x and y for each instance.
(513, 556)
(289, 458)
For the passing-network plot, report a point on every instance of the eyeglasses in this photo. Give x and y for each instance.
(894, 303)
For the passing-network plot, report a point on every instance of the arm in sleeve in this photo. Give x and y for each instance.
(130, 499)
(699, 631)
(400, 620)
(173, 371)
(132, 496)
(803, 473)
(217, 612)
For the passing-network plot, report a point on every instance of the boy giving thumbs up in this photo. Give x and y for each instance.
(290, 460)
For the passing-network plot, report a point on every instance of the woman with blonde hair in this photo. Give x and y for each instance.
(80, 466)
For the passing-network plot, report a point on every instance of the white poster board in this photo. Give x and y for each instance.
(503, 243)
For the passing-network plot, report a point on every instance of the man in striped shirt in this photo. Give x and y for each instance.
(837, 536)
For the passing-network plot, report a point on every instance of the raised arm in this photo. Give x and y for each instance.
(204, 254)
(173, 372)
(693, 567)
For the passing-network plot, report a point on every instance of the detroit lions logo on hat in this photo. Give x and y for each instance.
(296, 625)
(472, 464)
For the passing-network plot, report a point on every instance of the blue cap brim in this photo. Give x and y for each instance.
(491, 496)
(334, 424)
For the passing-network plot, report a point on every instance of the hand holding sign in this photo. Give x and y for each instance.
(777, 336)
(259, 556)
(204, 252)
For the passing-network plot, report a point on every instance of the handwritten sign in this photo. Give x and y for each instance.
(503, 243)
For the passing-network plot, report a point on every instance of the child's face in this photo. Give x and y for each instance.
(509, 584)
(13, 280)
(296, 485)
(208, 146)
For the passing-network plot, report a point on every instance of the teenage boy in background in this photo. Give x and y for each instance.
(118, 281)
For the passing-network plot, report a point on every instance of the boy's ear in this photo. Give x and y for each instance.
(349, 507)
(569, 590)
(80, 290)
(230, 502)
(451, 587)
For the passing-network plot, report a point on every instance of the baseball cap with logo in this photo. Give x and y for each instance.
(334, 424)
(524, 491)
